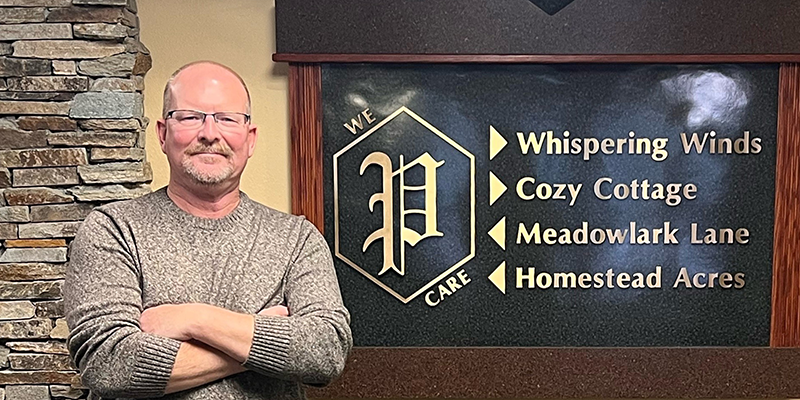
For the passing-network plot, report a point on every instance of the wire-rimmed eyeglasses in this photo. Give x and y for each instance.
(191, 119)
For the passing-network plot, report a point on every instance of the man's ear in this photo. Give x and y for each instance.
(252, 134)
(161, 130)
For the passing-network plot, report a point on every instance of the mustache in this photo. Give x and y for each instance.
(217, 149)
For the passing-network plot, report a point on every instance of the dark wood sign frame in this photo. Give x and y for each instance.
(571, 372)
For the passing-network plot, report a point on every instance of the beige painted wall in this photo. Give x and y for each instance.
(241, 35)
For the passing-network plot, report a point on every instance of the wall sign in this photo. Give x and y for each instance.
(562, 205)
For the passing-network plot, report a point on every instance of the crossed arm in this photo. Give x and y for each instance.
(207, 352)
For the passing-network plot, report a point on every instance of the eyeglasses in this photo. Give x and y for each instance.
(226, 120)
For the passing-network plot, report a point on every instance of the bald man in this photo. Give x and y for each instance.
(195, 291)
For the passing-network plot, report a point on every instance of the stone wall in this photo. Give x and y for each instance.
(71, 138)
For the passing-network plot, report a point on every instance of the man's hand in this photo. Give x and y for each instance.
(277, 311)
(170, 320)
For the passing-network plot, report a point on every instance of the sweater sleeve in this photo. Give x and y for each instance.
(103, 303)
(312, 344)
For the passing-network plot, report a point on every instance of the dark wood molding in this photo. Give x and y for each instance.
(542, 59)
(509, 373)
(785, 330)
(305, 107)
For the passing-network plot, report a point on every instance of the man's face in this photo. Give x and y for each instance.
(211, 153)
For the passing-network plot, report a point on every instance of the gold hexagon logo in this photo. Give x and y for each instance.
(404, 205)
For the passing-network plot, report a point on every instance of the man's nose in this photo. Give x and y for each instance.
(209, 131)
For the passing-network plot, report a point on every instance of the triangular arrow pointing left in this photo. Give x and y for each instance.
(498, 277)
(498, 233)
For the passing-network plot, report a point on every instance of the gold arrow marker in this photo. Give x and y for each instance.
(498, 277)
(496, 188)
(496, 142)
(498, 233)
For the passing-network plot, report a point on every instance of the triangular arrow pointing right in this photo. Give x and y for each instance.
(496, 142)
(496, 188)
(498, 277)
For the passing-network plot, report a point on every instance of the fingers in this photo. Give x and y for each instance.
(147, 323)
(275, 311)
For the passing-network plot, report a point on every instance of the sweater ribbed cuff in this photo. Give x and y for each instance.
(154, 365)
(270, 350)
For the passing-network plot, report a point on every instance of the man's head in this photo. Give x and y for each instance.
(206, 150)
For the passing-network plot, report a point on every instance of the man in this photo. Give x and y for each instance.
(196, 291)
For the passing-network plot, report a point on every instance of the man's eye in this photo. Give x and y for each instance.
(189, 118)
(226, 118)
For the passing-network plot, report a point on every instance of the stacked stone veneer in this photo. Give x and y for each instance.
(71, 138)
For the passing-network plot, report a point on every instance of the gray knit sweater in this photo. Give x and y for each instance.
(141, 253)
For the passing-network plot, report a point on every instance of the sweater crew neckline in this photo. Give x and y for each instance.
(242, 213)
